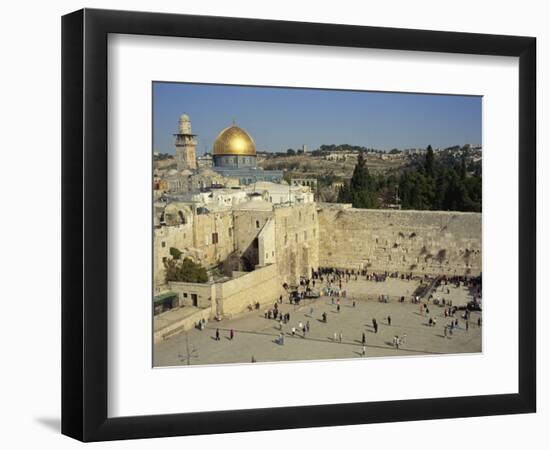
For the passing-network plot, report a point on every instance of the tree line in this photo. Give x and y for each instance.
(430, 186)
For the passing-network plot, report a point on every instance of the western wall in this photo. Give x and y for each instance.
(282, 244)
(421, 242)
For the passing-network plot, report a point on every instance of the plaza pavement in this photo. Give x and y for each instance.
(256, 336)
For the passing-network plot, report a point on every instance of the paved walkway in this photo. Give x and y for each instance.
(256, 336)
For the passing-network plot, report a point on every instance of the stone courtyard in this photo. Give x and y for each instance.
(257, 338)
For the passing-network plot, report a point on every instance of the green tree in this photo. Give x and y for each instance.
(175, 253)
(186, 271)
(429, 163)
(359, 191)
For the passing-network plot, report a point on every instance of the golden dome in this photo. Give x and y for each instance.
(234, 141)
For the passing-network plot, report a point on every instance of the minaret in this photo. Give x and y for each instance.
(186, 143)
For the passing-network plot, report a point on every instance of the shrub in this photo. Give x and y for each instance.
(175, 253)
(186, 271)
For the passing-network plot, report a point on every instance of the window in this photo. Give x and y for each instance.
(182, 218)
(163, 244)
(296, 237)
(305, 235)
(286, 239)
(257, 224)
(230, 231)
(214, 238)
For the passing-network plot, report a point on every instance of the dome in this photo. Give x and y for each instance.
(184, 118)
(234, 141)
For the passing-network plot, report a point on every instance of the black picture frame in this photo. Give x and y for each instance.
(84, 224)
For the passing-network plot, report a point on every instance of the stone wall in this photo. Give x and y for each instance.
(296, 241)
(248, 224)
(235, 295)
(422, 242)
(178, 236)
(194, 294)
(205, 238)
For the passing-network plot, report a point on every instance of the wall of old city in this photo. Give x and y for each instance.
(261, 285)
(206, 238)
(296, 241)
(249, 220)
(422, 242)
(214, 236)
(177, 236)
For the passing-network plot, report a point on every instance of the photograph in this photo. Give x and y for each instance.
(296, 224)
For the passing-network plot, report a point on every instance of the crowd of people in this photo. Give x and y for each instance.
(331, 282)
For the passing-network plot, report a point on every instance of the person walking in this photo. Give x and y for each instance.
(307, 326)
(389, 320)
(340, 337)
(217, 334)
(335, 336)
(231, 334)
(338, 307)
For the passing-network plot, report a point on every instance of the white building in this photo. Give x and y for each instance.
(281, 193)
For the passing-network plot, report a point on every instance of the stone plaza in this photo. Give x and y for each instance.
(257, 338)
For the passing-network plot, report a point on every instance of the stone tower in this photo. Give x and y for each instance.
(186, 144)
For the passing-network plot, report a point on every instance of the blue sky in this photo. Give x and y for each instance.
(282, 118)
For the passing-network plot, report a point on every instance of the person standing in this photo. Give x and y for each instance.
(340, 337)
(363, 339)
(231, 334)
(307, 326)
(364, 350)
(217, 334)
(389, 320)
